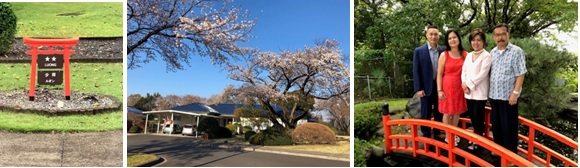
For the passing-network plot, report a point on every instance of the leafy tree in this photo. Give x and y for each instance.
(133, 99)
(147, 103)
(174, 30)
(283, 78)
(251, 114)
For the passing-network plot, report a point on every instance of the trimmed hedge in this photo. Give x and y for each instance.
(271, 137)
(257, 139)
(7, 27)
(208, 123)
(134, 129)
(220, 132)
(232, 128)
(247, 128)
(313, 133)
(249, 134)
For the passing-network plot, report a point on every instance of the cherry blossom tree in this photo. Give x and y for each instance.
(175, 30)
(338, 109)
(290, 77)
(228, 95)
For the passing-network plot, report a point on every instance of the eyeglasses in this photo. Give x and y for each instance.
(500, 34)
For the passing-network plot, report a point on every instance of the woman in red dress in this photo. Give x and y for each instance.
(451, 95)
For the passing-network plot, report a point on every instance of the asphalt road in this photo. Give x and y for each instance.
(189, 152)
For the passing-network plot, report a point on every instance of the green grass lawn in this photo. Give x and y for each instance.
(136, 159)
(393, 104)
(84, 19)
(86, 77)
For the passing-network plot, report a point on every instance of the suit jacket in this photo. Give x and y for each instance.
(423, 69)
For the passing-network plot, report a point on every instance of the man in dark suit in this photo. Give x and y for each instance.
(424, 79)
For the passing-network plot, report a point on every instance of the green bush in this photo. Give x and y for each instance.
(276, 136)
(313, 133)
(367, 119)
(7, 27)
(539, 90)
(232, 128)
(279, 140)
(257, 139)
(360, 147)
(249, 134)
(134, 129)
(220, 132)
(271, 137)
(207, 123)
(247, 128)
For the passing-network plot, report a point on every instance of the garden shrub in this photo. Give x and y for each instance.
(247, 128)
(134, 129)
(271, 137)
(313, 133)
(232, 128)
(360, 147)
(257, 139)
(220, 132)
(249, 134)
(276, 136)
(7, 27)
(207, 123)
(367, 119)
(278, 140)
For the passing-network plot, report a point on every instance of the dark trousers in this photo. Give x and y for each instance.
(476, 111)
(504, 120)
(427, 112)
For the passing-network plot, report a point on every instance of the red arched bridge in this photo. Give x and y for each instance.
(448, 153)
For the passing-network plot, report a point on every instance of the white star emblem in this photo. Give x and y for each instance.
(53, 58)
(47, 58)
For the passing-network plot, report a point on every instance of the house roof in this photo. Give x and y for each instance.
(196, 108)
(134, 110)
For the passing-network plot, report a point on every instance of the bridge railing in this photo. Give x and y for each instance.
(393, 143)
(533, 129)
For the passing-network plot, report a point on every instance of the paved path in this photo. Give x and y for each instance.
(188, 152)
(67, 150)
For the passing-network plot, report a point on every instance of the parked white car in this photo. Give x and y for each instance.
(188, 129)
(176, 129)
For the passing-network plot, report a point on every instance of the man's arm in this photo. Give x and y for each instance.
(417, 76)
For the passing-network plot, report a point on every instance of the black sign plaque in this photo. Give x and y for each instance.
(49, 77)
(50, 60)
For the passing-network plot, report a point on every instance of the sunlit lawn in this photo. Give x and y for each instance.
(136, 159)
(85, 77)
(84, 19)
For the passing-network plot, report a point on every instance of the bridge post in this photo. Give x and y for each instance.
(387, 128)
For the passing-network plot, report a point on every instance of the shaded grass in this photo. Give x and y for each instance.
(136, 159)
(84, 19)
(86, 77)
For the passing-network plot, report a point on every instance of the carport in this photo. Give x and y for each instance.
(172, 113)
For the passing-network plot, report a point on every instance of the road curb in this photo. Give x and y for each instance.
(154, 163)
(257, 149)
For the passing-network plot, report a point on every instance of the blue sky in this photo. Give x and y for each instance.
(281, 25)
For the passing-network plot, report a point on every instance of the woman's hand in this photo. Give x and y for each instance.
(466, 91)
(441, 95)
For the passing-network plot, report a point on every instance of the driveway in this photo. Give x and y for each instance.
(97, 149)
(188, 152)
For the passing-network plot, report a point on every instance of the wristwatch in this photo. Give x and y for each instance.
(516, 92)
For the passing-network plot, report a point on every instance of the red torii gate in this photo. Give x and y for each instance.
(36, 44)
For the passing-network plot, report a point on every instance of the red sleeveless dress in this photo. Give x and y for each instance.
(455, 100)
